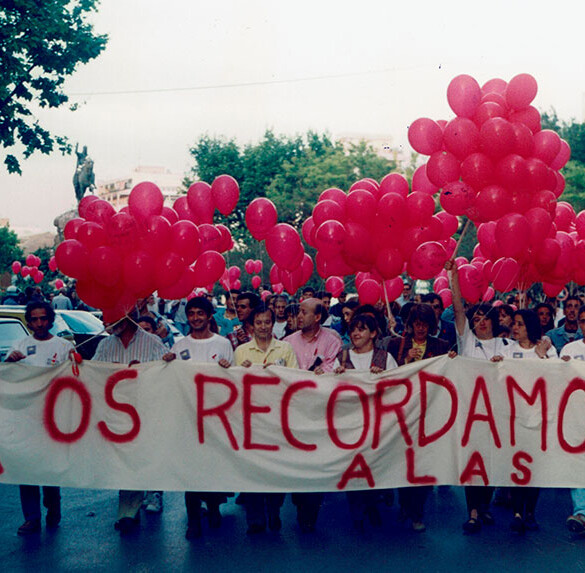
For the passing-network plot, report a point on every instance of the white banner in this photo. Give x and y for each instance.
(185, 426)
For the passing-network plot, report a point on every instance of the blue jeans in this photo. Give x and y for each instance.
(578, 496)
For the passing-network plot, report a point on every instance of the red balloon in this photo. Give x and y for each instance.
(256, 281)
(227, 242)
(425, 136)
(308, 231)
(537, 174)
(16, 266)
(389, 262)
(326, 210)
(440, 283)
(464, 95)
(38, 277)
(329, 238)
(334, 194)
(486, 110)
(560, 186)
(427, 261)
(31, 260)
(512, 172)
(105, 264)
(71, 227)
(170, 214)
(145, 200)
(562, 157)
(523, 139)
(457, 198)
(552, 290)
(261, 217)
(92, 235)
(396, 183)
(98, 296)
(169, 268)
(477, 170)
(495, 85)
(540, 224)
(99, 212)
(421, 182)
(357, 250)
(361, 206)
(185, 241)
(579, 224)
(181, 207)
(334, 285)
(497, 137)
(450, 223)
(420, 207)
(59, 284)
(369, 292)
(307, 268)
(284, 247)
(211, 238)
(461, 137)
(24, 272)
(545, 199)
(234, 273)
(442, 168)
(138, 273)
(330, 266)
(529, 116)
(547, 145)
(513, 235)
(446, 296)
(72, 259)
(122, 232)
(200, 201)
(249, 266)
(564, 216)
(183, 287)
(52, 264)
(225, 192)
(208, 268)
(491, 203)
(505, 273)
(258, 265)
(392, 210)
(471, 282)
(392, 289)
(521, 91)
(84, 203)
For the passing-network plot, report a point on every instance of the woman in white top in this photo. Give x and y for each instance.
(477, 337)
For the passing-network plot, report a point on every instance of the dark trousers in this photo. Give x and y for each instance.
(361, 501)
(30, 500)
(524, 499)
(478, 498)
(258, 505)
(412, 501)
(308, 505)
(193, 501)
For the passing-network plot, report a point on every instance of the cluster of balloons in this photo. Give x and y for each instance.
(31, 268)
(118, 257)
(377, 231)
(494, 164)
(292, 266)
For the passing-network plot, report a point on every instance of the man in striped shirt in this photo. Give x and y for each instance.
(129, 344)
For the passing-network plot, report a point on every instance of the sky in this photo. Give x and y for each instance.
(175, 70)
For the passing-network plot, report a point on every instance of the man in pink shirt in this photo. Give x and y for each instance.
(316, 349)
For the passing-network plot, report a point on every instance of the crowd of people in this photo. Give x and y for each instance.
(313, 335)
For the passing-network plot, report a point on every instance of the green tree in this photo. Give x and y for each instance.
(41, 43)
(10, 249)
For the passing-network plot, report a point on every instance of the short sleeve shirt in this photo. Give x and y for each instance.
(49, 352)
(211, 349)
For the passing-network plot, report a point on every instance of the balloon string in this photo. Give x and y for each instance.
(461, 238)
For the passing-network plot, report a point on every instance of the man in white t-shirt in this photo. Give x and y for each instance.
(280, 316)
(202, 345)
(40, 349)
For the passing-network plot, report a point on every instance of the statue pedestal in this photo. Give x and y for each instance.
(60, 222)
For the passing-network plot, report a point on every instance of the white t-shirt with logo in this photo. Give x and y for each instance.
(517, 351)
(204, 349)
(575, 349)
(43, 352)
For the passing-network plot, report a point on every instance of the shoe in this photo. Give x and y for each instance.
(487, 518)
(29, 527)
(256, 528)
(214, 517)
(154, 502)
(517, 526)
(471, 526)
(418, 526)
(530, 523)
(127, 525)
(374, 516)
(53, 519)
(575, 523)
(274, 522)
(194, 530)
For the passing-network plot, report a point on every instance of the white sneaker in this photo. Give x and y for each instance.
(154, 502)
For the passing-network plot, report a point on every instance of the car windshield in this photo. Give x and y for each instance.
(11, 332)
(60, 327)
(82, 322)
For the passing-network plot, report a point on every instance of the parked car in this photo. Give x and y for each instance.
(11, 331)
(59, 328)
(87, 329)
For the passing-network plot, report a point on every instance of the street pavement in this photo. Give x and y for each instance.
(86, 540)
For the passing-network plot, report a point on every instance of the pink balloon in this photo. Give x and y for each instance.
(145, 200)
(284, 247)
(84, 203)
(225, 192)
(122, 232)
(488, 294)
(523, 139)
(421, 207)
(330, 266)
(521, 91)
(357, 251)
(208, 268)
(529, 116)
(334, 285)
(59, 284)
(249, 266)
(562, 157)
(169, 268)
(464, 95)
(201, 203)
(450, 223)
(395, 183)
(547, 145)
(488, 109)
(261, 217)
(477, 170)
(334, 194)
(265, 294)
(472, 283)
(326, 210)
(256, 281)
(427, 261)
(24, 272)
(497, 137)
(16, 266)
(227, 242)
(182, 288)
(181, 207)
(185, 241)
(491, 203)
(512, 234)
(211, 238)
(421, 181)
(307, 268)
(440, 283)
(392, 289)
(446, 296)
(540, 223)
(457, 198)
(38, 277)
(495, 85)
(425, 136)
(505, 273)
(442, 168)
(360, 206)
(308, 231)
(258, 265)
(53, 264)
(138, 273)
(169, 214)
(71, 227)
(369, 292)
(30, 260)
(389, 262)
(105, 265)
(72, 259)
(461, 137)
(157, 234)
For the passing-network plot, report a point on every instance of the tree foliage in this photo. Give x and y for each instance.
(9, 249)
(41, 43)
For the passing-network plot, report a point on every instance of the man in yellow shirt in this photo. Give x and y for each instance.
(266, 350)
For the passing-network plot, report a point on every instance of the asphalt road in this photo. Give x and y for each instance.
(86, 540)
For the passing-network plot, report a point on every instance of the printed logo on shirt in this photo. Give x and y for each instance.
(30, 350)
(279, 362)
(579, 357)
(53, 360)
(185, 354)
(517, 355)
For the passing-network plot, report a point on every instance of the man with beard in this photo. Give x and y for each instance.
(569, 331)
